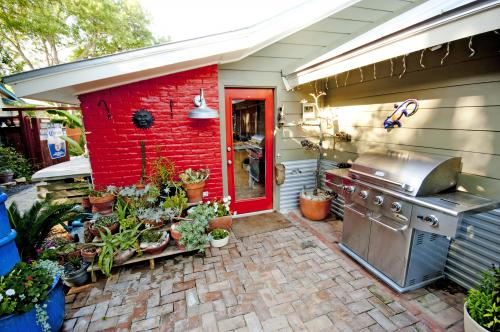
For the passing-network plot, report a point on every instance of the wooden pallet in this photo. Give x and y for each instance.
(169, 251)
(61, 190)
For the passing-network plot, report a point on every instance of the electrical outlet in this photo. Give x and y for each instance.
(205, 194)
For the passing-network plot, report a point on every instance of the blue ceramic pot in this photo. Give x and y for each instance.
(27, 321)
(9, 255)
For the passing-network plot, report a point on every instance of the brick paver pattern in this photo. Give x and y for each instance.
(284, 280)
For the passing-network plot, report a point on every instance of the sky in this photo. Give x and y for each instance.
(194, 18)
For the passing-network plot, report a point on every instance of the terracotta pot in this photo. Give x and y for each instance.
(194, 191)
(95, 230)
(88, 253)
(107, 198)
(6, 177)
(153, 223)
(313, 209)
(86, 204)
(102, 205)
(175, 234)
(221, 222)
(140, 186)
(159, 249)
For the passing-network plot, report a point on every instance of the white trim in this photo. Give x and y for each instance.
(252, 213)
(114, 70)
(479, 19)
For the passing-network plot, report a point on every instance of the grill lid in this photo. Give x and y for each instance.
(412, 173)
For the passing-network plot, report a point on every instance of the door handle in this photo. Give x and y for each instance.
(355, 211)
(228, 149)
(389, 227)
(229, 162)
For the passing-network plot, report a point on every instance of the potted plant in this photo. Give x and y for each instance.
(174, 233)
(315, 204)
(223, 218)
(219, 237)
(6, 175)
(154, 241)
(32, 297)
(482, 306)
(111, 222)
(193, 182)
(117, 248)
(75, 271)
(193, 234)
(102, 201)
(178, 202)
(162, 176)
(88, 252)
(154, 217)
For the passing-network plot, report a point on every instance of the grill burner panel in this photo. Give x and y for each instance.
(397, 223)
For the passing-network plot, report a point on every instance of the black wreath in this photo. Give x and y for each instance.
(143, 119)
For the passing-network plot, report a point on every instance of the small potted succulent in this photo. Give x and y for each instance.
(75, 272)
(111, 222)
(102, 201)
(154, 217)
(6, 175)
(193, 234)
(223, 218)
(482, 306)
(219, 237)
(193, 182)
(88, 252)
(177, 202)
(154, 241)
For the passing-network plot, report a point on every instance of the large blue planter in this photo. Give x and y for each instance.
(27, 321)
(9, 255)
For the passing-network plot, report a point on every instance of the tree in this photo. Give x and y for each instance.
(39, 33)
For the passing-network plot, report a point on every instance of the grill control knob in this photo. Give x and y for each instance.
(363, 194)
(432, 220)
(396, 207)
(349, 189)
(379, 200)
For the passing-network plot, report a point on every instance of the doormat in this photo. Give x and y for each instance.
(258, 224)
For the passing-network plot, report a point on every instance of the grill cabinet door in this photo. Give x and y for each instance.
(356, 230)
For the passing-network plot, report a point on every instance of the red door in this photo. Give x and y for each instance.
(249, 140)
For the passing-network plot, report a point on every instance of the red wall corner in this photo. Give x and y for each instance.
(114, 145)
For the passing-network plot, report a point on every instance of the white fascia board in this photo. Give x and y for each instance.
(160, 60)
(409, 18)
(436, 32)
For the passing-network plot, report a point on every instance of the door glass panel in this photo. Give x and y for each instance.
(249, 153)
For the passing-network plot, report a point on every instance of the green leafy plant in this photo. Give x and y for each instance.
(115, 243)
(219, 234)
(156, 214)
(5, 170)
(202, 212)
(483, 304)
(193, 234)
(11, 159)
(34, 225)
(162, 172)
(178, 202)
(194, 176)
(151, 235)
(106, 221)
(221, 207)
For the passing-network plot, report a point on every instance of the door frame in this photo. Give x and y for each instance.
(267, 94)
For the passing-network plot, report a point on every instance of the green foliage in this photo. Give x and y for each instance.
(202, 212)
(24, 287)
(178, 202)
(193, 234)
(194, 176)
(162, 172)
(33, 32)
(106, 221)
(114, 243)
(11, 159)
(34, 225)
(219, 234)
(66, 118)
(483, 304)
(151, 235)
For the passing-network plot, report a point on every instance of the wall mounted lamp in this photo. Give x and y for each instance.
(202, 111)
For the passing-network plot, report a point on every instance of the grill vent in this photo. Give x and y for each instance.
(411, 282)
(433, 237)
(420, 239)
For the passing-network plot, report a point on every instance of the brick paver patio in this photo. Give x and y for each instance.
(282, 280)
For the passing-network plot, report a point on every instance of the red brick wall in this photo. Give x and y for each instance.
(114, 145)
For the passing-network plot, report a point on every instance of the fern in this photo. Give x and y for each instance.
(34, 225)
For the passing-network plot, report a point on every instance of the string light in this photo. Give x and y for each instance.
(346, 78)
(392, 67)
(447, 53)
(326, 83)
(422, 58)
(404, 66)
(374, 71)
(361, 73)
(336, 82)
(472, 51)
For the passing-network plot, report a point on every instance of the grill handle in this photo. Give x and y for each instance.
(355, 211)
(400, 229)
(405, 186)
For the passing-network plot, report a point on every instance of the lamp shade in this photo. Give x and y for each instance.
(202, 111)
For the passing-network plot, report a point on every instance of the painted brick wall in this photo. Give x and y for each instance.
(114, 145)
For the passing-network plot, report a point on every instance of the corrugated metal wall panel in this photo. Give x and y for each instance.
(475, 248)
(300, 173)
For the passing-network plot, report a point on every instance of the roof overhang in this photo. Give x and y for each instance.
(63, 83)
(430, 24)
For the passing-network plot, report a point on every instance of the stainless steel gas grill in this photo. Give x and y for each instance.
(401, 209)
(255, 148)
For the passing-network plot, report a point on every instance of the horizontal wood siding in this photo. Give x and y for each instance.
(459, 111)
